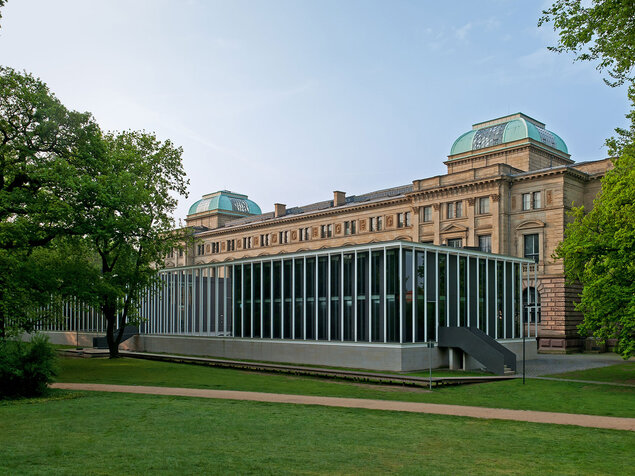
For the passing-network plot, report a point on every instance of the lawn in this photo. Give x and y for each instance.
(620, 373)
(99, 433)
(542, 395)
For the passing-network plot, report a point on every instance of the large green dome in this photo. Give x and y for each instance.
(506, 129)
(227, 202)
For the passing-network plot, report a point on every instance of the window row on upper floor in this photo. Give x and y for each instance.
(346, 228)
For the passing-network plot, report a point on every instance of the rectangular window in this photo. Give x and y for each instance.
(231, 245)
(379, 223)
(400, 220)
(283, 237)
(455, 243)
(483, 205)
(347, 227)
(427, 214)
(459, 209)
(532, 247)
(526, 201)
(408, 218)
(451, 210)
(326, 231)
(371, 224)
(200, 250)
(536, 200)
(353, 227)
(304, 234)
(485, 243)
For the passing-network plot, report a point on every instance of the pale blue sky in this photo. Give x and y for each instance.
(286, 101)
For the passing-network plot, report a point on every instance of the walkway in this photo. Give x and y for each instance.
(592, 421)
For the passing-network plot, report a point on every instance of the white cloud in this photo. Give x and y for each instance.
(461, 33)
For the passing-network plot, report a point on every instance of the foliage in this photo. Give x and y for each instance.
(26, 368)
(44, 151)
(599, 252)
(127, 225)
(603, 31)
(2, 2)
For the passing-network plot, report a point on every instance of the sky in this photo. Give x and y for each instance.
(286, 101)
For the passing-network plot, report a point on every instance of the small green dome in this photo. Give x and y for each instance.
(226, 201)
(504, 130)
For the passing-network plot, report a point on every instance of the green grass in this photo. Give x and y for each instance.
(101, 433)
(620, 373)
(542, 395)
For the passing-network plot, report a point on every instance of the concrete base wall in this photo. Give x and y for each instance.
(395, 357)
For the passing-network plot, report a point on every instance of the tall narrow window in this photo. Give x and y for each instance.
(526, 201)
(532, 247)
(451, 210)
(536, 200)
(427, 214)
(400, 220)
(408, 216)
(459, 209)
(485, 243)
(483, 205)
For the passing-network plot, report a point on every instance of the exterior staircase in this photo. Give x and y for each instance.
(474, 342)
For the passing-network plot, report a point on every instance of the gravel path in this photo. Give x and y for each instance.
(592, 421)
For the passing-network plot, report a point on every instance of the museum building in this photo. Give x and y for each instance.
(509, 185)
(456, 269)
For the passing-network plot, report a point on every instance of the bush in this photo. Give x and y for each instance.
(26, 368)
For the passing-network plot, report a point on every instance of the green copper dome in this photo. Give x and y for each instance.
(506, 129)
(226, 201)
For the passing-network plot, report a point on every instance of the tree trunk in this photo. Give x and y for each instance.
(110, 313)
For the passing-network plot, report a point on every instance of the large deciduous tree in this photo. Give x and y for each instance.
(44, 151)
(599, 247)
(599, 252)
(128, 224)
(601, 31)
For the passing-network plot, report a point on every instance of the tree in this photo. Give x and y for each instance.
(602, 32)
(128, 225)
(599, 252)
(2, 2)
(44, 150)
(599, 247)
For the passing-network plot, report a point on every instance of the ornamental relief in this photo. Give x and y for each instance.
(338, 229)
(294, 235)
(389, 221)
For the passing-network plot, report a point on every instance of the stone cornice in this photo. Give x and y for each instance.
(445, 191)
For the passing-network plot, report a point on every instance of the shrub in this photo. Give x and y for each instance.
(26, 368)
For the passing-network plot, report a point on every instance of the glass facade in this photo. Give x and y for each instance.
(393, 292)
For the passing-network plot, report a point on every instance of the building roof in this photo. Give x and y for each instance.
(506, 129)
(326, 204)
(226, 201)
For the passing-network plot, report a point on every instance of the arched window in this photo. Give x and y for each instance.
(531, 304)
